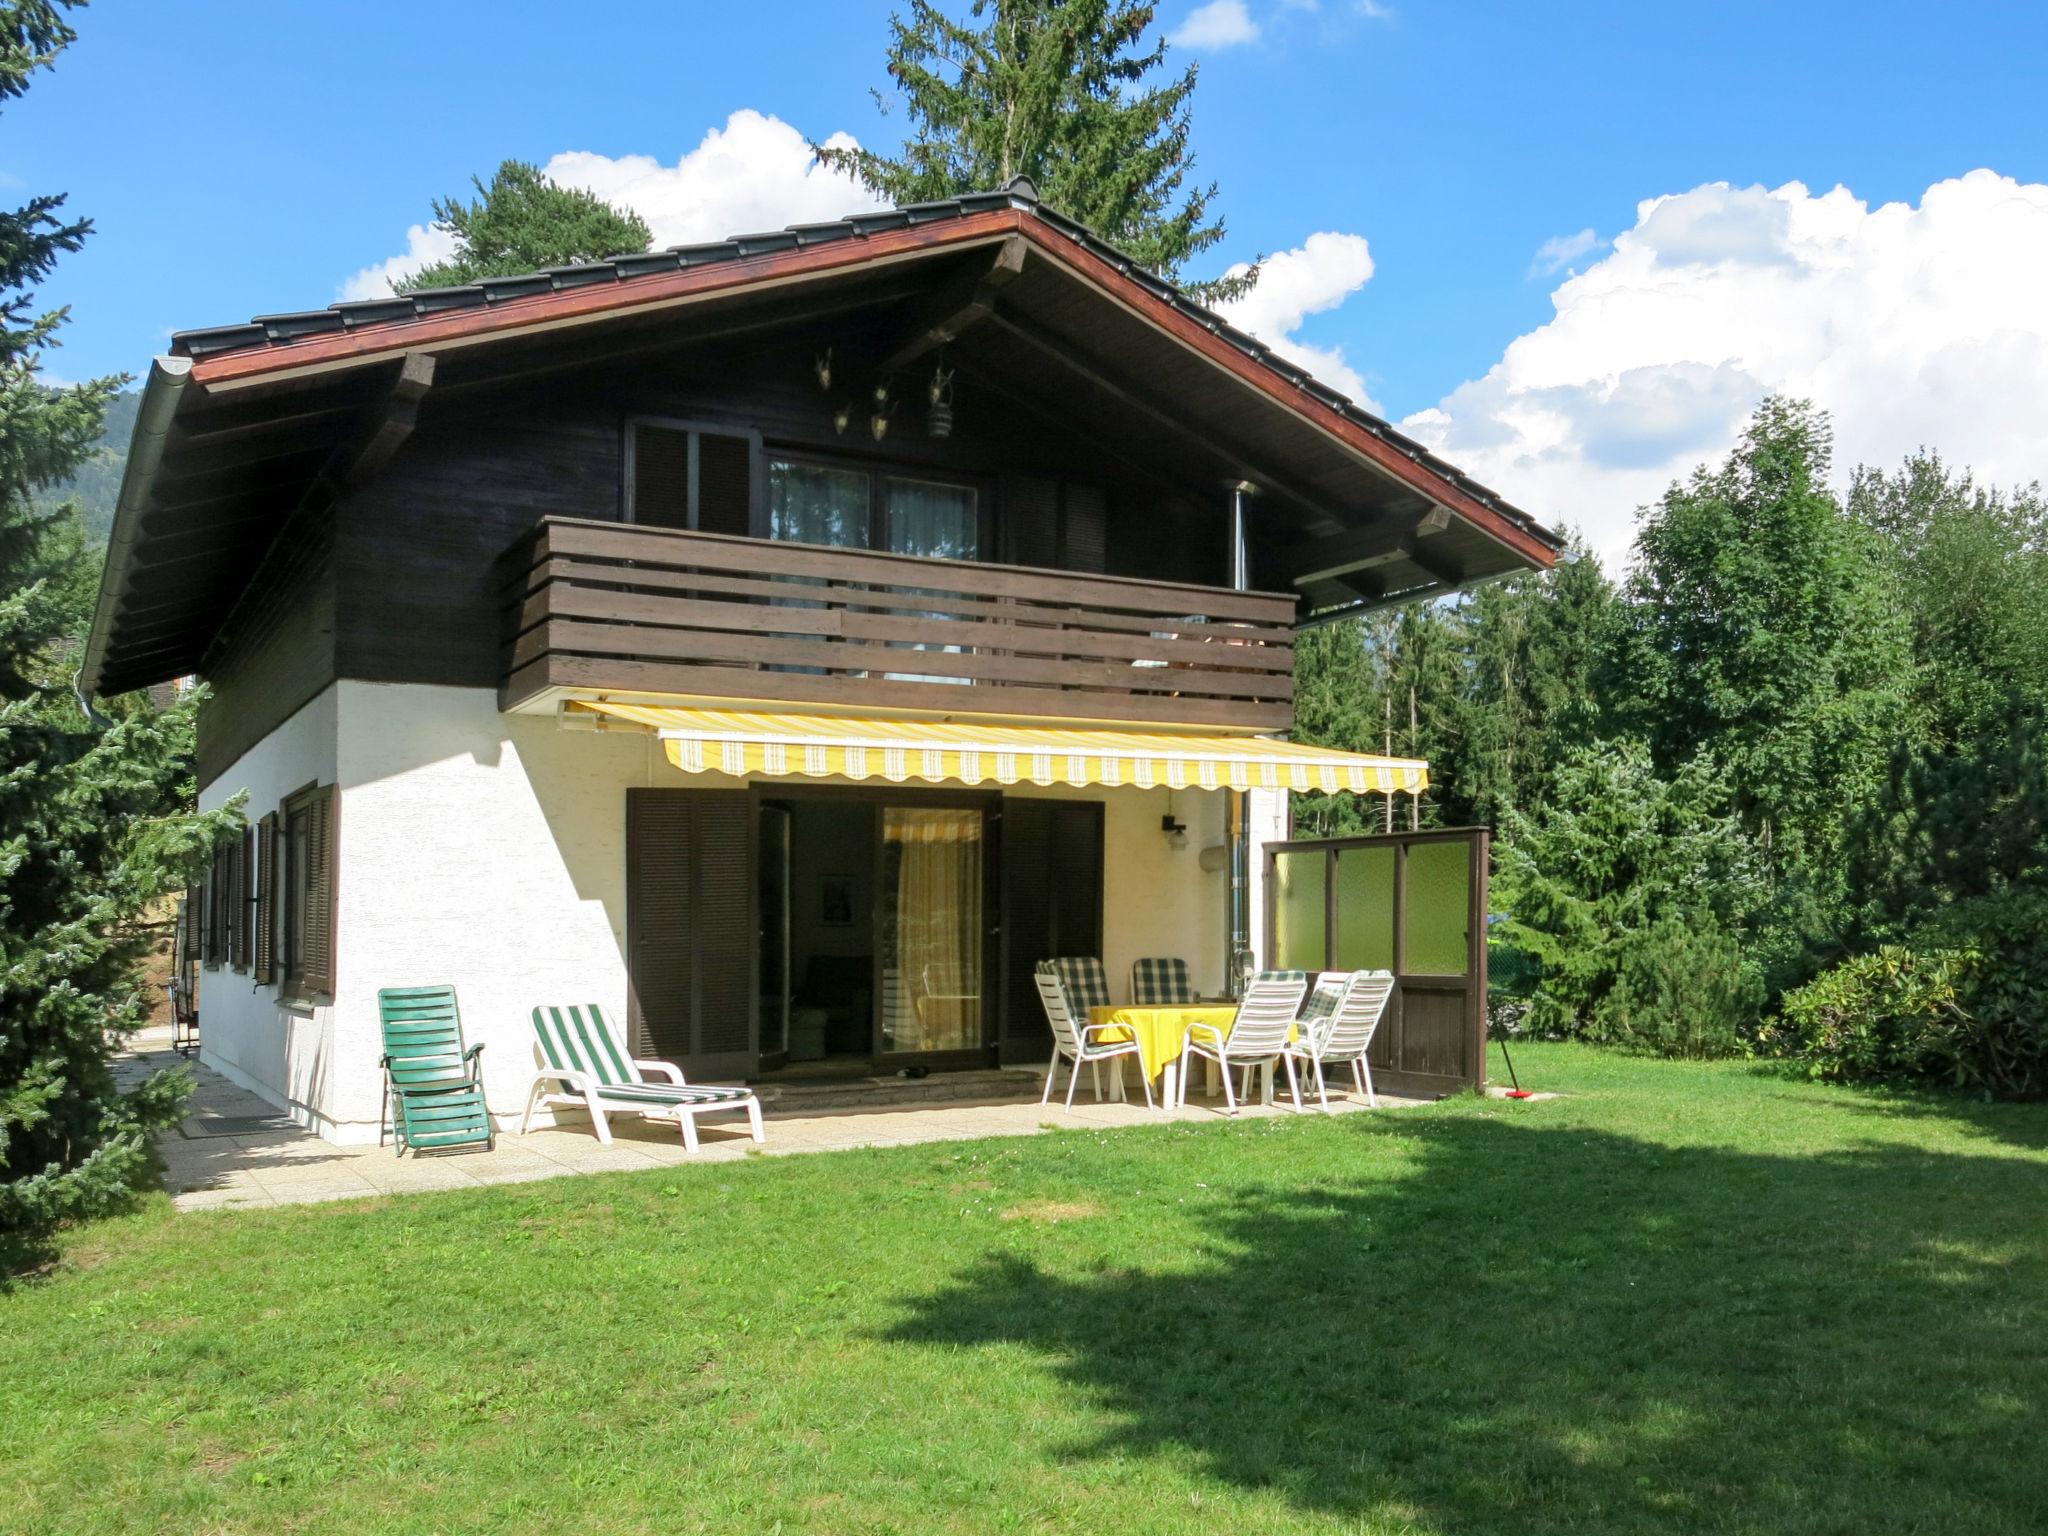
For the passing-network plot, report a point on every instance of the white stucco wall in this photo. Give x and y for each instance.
(488, 851)
(285, 1054)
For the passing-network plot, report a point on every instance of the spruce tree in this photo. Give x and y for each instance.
(93, 829)
(523, 222)
(1061, 91)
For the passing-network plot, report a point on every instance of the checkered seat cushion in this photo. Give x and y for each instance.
(1323, 999)
(1084, 981)
(1160, 982)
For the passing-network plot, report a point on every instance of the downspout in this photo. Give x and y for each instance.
(161, 392)
(1237, 830)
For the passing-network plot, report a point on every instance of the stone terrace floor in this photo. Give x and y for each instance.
(236, 1150)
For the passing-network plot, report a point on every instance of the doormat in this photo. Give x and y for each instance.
(199, 1127)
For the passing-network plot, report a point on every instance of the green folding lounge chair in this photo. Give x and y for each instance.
(433, 1088)
(578, 1061)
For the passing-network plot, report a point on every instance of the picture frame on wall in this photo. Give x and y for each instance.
(835, 901)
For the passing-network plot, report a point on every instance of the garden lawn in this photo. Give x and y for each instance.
(1684, 1298)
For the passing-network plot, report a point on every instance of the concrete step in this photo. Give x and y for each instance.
(801, 1095)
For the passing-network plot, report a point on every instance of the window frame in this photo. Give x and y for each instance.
(879, 471)
(695, 427)
(290, 908)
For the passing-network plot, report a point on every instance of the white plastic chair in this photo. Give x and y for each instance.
(1256, 1037)
(1082, 1044)
(1343, 1035)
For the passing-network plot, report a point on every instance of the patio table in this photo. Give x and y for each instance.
(1160, 1033)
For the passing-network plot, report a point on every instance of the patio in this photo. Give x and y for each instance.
(234, 1149)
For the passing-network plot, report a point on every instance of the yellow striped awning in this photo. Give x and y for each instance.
(786, 746)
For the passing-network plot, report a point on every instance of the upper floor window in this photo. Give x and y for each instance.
(681, 474)
(817, 503)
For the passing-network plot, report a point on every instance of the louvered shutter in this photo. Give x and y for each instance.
(193, 924)
(322, 831)
(241, 928)
(216, 909)
(661, 477)
(725, 488)
(1052, 898)
(1031, 508)
(1084, 529)
(690, 929)
(265, 948)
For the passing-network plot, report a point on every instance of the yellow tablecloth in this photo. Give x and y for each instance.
(1161, 1031)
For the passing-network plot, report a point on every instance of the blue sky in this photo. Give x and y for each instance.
(243, 157)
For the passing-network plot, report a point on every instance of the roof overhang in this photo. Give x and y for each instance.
(248, 419)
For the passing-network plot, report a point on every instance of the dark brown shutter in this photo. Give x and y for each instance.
(238, 890)
(725, 935)
(1031, 507)
(244, 930)
(1084, 529)
(661, 477)
(725, 491)
(265, 946)
(216, 909)
(1052, 903)
(322, 830)
(689, 928)
(193, 926)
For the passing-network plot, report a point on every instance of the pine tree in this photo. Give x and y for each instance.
(523, 222)
(91, 830)
(1059, 91)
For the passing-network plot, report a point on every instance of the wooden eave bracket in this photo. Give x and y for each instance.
(960, 307)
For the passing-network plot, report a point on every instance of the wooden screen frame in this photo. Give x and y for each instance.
(1473, 982)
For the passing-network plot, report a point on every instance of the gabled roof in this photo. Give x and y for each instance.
(242, 421)
(514, 297)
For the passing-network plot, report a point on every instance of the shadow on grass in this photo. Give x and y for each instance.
(1555, 1328)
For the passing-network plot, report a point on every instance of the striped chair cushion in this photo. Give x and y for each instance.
(667, 1093)
(1085, 982)
(1160, 982)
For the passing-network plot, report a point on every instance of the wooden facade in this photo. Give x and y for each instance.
(414, 575)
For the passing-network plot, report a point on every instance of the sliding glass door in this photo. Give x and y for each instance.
(931, 930)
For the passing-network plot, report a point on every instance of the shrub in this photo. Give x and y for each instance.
(1895, 1015)
(1965, 1005)
(1680, 991)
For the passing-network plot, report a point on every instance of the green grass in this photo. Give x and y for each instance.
(1683, 1298)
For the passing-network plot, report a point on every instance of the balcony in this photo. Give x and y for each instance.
(638, 610)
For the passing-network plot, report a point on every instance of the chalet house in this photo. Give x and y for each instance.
(785, 643)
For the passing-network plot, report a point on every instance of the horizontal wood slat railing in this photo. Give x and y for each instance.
(662, 610)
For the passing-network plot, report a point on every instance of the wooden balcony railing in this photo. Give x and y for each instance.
(658, 610)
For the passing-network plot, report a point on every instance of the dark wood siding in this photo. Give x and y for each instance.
(277, 652)
(403, 581)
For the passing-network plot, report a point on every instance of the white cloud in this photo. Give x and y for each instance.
(424, 245)
(1219, 24)
(1375, 9)
(1316, 276)
(1560, 251)
(755, 173)
(1912, 325)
